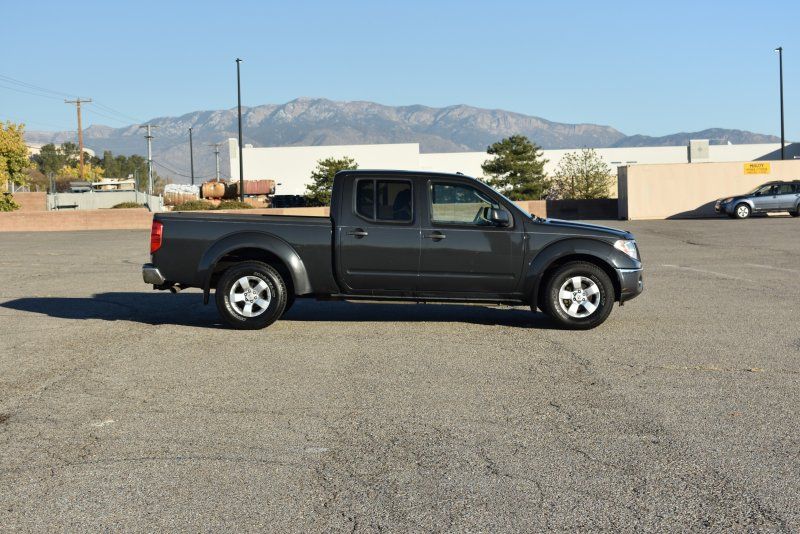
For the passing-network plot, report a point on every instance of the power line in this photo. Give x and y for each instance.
(28, 88)
(29, 92)
(173, 171)
(9, 79)
(99, 114)
(109, 109)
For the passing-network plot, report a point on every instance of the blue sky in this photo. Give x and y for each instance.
(642, 67)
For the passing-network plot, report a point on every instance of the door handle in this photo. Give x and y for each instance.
(358, 232)
(436, 236)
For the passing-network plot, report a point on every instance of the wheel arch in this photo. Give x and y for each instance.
(258, 246)
(594, 251)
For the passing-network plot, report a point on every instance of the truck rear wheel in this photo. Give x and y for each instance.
(250, 295)
(579, 295)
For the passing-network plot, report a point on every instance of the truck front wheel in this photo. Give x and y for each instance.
(250, 295)
(578, 295)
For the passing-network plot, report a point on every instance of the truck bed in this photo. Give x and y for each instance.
(191, 239)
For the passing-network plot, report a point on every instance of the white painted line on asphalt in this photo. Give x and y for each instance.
(770, 267)
(705, 271)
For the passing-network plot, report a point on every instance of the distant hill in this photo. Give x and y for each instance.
(716, 136)
(307, 121)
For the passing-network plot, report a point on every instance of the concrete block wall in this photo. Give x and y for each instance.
(100, 200)
(689, 190)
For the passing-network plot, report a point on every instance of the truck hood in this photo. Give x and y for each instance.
(577, 228)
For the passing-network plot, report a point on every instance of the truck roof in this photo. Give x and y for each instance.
(404, 173)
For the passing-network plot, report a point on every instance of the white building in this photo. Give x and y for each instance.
(291, 167)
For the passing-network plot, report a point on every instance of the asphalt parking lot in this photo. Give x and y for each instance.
(123, 408)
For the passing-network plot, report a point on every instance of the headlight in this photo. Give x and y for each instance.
(725, 201)
(628, 246)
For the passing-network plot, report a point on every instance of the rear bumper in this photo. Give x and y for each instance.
(151, 275)
(631, 283)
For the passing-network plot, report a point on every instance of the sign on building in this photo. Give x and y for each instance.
(756, 167)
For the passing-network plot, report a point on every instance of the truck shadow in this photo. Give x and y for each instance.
(187, 309)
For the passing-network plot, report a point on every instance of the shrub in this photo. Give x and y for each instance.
(127, 205)
(7, 203)
(234, 205)
(194, 205)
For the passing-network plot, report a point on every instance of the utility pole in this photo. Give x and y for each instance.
(779, 50)
(78, 101)
(191, 156)
(241, 152)
(216, 155)
(149, 138)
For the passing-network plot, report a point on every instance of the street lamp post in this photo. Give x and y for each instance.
(779, 50)
(191, 156)
(241, 152)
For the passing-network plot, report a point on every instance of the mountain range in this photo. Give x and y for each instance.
(318, 121)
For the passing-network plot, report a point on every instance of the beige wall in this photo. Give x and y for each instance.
(689, 189)
(31, 201)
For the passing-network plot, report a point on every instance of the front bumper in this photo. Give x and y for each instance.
(151, 275)
(631, 283)
(725, 208)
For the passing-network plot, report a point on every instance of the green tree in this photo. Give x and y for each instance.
(581, 174)
(49, 160)
(54, 159)
(319, 191)
(517, 169)
(14, 160)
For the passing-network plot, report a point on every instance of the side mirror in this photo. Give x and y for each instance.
(499, 217)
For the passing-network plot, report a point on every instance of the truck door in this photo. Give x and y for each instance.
(463, 252)
(378, 236)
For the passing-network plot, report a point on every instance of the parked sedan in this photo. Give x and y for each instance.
(770, 197)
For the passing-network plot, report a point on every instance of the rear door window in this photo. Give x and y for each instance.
(385, 200)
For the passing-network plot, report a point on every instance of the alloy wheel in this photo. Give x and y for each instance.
(579, 297)
(250, 296)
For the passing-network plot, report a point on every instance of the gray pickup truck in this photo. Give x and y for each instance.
(397, 236)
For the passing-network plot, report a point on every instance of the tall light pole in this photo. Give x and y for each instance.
(149, 138)
(241, 152)
(191, 156)
(779, 50)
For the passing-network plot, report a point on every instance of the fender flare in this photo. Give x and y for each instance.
(258, 240)
(603, 251)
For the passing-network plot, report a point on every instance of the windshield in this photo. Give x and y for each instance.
(762, 188)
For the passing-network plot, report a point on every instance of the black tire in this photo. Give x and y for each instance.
(289, 301)
(255, 270)
(594, 278)
(795, 213)
(742, 211)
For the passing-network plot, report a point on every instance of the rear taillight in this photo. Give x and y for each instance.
(156, 233)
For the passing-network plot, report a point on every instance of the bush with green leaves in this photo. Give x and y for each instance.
(123, 205)
(7, 203)
(194, 205)
(234, 205)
